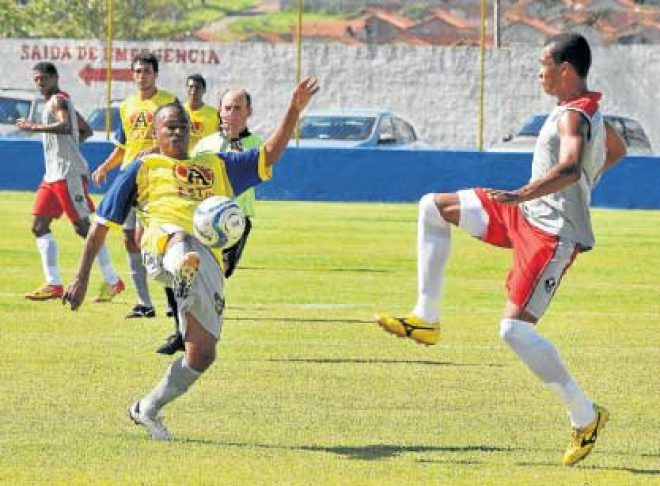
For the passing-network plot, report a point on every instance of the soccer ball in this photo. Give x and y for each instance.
(218, 222)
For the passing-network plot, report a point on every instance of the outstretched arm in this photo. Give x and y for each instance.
(276, 143)
(75, 292)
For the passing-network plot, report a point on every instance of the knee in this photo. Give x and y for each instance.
(506, 329)
(514, 330)
(82, 228)
(129, 242)
(200, 358)
(37, 231)
(428, 209)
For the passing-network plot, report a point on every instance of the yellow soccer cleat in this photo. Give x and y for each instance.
(108, 292)
(583, 440)
(46, 292)
(412, 327)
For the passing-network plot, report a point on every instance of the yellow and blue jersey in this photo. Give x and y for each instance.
(218, 142)
(166, 191)
(135, 132)
(203, 122)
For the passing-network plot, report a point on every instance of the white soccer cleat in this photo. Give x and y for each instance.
(154, 426)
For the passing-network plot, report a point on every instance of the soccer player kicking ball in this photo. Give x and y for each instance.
(546, 223)
(166, 188)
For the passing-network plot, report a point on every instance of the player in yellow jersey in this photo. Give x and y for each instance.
(203, 121)
(234, 135)
(166, 188)
(135, 135)
(203, 118)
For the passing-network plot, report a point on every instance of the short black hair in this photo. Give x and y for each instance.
(198, 78)
(248, 98)
(145, 58)
(572, 48)
(174, 104)
(45, 68)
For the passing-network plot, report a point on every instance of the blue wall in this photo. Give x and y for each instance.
(376, 175)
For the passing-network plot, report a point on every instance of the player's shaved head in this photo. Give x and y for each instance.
(233, 93)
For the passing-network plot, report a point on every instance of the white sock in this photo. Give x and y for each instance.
(542, 358)
(139, 277)
(105, 265)
(178, 378)
(433, 248)
(48, 251)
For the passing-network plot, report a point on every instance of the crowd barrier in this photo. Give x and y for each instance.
(385, 175)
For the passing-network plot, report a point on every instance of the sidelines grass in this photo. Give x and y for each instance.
(307, 390)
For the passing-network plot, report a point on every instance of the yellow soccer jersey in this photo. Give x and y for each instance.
(166, 191)
(136, 129)
(203, 122)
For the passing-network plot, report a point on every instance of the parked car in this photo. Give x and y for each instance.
(355, 128)
(524, 139)
(15, 104)
(97, 121)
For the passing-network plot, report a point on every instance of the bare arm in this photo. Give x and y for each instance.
(615, 146)
(61, 125)
(573, 129)
(75, 292)
(114, 160)
(276, 143)
(84, 130)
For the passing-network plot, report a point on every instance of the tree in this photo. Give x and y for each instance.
(87, 19)
(14, 22)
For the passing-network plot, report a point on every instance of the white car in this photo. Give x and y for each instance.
(15, 104)
(524, 139)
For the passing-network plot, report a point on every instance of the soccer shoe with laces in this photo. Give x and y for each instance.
(185, 274)
(140, 311)
(172, 344)
(109, 291)
(422, 332)
(154, 426)
(583, 440)
(46, 292)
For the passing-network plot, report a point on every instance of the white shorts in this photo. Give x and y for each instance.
(206, 300)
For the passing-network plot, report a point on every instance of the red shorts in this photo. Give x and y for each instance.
(68, 196)
(540, 259)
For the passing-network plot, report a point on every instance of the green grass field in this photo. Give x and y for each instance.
(307, 391)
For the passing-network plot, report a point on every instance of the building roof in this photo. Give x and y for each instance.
(388, 16)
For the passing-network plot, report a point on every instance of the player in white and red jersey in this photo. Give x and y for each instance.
(546, 224)
(64, 186)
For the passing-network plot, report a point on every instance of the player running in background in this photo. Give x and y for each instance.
(546, 223)
(233, 135)
(167, 188)
(135, 135)
(64, 187)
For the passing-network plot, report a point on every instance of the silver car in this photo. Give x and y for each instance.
(524, 139)
(15, 104)
(352, 128)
